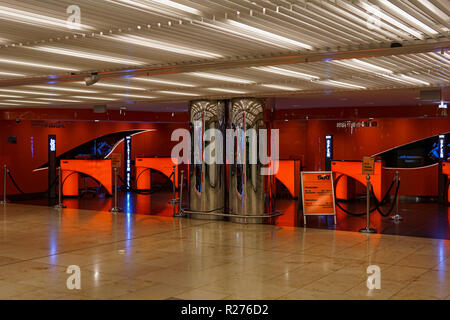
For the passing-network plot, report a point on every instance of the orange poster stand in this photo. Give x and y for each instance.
(100, 170)
(446, 170)
(318, 194)
(353, 169)
(163, 165)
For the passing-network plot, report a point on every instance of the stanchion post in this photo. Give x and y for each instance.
(180, 209)
(115, 209)
(368, 229)
(174, 199)
(59, 206)
(396, 217)
(5, 173)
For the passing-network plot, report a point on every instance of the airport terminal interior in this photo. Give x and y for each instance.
(224, 149)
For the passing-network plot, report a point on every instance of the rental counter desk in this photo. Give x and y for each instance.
(345, 190)
(289, 175)
(446, 171)
(145, 165)
(99, 170)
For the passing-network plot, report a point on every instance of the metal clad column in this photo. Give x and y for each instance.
(250, 193)
(206, 181)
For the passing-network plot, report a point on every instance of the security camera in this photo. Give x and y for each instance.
(94, 78)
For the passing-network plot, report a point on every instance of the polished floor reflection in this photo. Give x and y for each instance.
(421, 219)
(129, 256)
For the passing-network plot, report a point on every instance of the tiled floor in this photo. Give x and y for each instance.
(128, 256)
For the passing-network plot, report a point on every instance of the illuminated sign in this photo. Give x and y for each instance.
(128, 162)
(441, 146)
(52, 144)
(329, 147)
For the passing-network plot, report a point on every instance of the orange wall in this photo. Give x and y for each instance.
(299, 139)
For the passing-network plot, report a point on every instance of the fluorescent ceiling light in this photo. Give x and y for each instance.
(30, 92)
(118, 86)
(58, 100)
(63, 89)
(220, 77)
(179, 93)
(362, 65)
(37, 65)
(269, 35)
(409, 18)
(227, 90)
(168, 3)
(27, 101)
(9, 96)
(340, 84)
(87, 55)
(133, 96)
(10, 74)
(11, 14)
(94, 98)
(286, 72)
(275, 86)
(145, 42)
(178, 6)
(8, 104)
(376, 11)
(172, 83)
(408, 78)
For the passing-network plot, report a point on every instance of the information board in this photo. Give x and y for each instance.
(318, 194)
(116, 160)
(368, 166)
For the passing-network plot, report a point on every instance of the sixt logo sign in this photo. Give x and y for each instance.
(323, 177)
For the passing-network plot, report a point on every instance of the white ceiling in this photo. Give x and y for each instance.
(40, 56)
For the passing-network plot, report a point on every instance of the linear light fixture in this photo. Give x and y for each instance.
(58, 100)
(279, 87)
(267, 34)
(376, 11)
(168, 3)
(179, 6)
(94, 98)
(362, 65)
(21, 16)
(286, 72)
(87, 55)
(9, 96)
(27, 101)
(179, 93)
(133, 96)
(8, 104)
(52, 88)
(172, 83)
(37, 65)
(409, 18)
(145, 42)
(227, 90)
(408, 78)
(220, 77)
(116, 86)
(11, 74)
(30, 92)
(340, 84)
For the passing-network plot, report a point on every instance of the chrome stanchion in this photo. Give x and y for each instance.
(396, 217)
(5, 173)
(115, 209)
(180, 209)
(174, 199)
(59, 206)
(368, 229)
